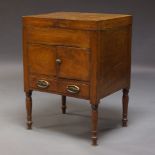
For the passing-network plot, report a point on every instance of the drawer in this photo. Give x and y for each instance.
(59, 86)
(43, 83)
(73, 88)
(57, 36)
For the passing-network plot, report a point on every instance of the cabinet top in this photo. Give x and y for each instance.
(81, 20)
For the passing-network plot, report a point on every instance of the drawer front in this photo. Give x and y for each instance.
(73, 88)
(43, 83)
(57, 36)
(59, 86)
(75, 63)
(41, 59)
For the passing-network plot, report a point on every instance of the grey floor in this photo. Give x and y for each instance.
(57, 134)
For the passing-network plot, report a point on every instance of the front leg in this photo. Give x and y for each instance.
(29, 109)
(94, 123)
(125, 101)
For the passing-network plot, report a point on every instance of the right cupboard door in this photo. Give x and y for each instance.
(75, 63)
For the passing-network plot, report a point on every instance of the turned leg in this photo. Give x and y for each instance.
(63, 104)
(125, 101)
(29, 109)
(94, 123)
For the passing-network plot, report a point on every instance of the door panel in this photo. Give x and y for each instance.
(74, 63)
(42, 59)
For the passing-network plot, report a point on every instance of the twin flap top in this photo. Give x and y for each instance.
(78, 20)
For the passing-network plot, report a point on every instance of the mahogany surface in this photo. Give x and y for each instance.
(82, 55)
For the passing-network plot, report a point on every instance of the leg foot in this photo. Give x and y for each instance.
(94, 123)
(29, 125)
(125, 101)
(64, 104)
(29, 109)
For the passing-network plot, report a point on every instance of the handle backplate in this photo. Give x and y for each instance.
(42, 84)
(73, 89)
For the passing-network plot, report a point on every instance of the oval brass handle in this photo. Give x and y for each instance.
(42, 84)
(58, 61)
(73, 89)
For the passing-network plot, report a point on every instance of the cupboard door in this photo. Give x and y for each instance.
(42, 59)
(74, 63)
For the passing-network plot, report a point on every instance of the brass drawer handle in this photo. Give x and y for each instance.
(73, 89)
(42, 84)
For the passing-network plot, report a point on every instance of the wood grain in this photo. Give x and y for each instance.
(75, 63)
(114, 60)
(41, 59)
(89, 51)
(57, 36)
(76, 20)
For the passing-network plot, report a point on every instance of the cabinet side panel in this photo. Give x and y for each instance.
(95, 66)
(25, 59)
(115, 60)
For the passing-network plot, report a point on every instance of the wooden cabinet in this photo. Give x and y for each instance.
(83, 55)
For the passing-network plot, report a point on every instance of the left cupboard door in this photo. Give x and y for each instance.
(41, 59)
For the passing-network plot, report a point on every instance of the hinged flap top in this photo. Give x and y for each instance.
(77, 20)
